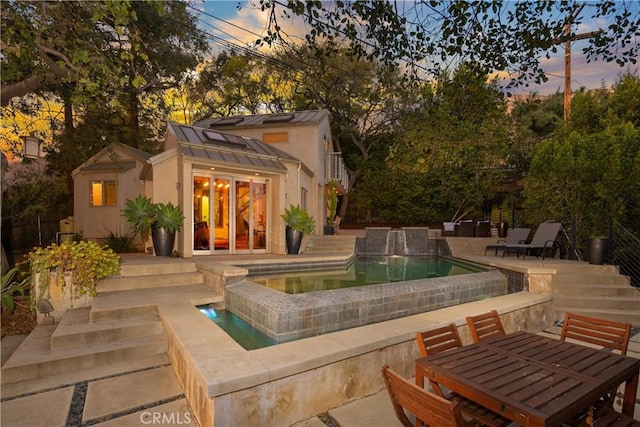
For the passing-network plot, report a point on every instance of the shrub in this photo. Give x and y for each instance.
(87, 262)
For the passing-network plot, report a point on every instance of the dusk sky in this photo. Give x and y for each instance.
(223, 21)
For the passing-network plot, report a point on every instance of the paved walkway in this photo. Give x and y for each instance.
(151, 395)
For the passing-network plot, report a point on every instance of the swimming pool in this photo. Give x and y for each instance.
(285, 317)
(367, 270)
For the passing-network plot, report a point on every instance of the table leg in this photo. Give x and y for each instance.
(420, 377)
(630, 396)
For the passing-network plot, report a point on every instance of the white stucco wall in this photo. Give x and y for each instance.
(96, 222)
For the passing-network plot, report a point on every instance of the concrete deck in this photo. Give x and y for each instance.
(126, 395)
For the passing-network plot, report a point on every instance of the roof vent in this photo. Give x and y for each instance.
(279, 118)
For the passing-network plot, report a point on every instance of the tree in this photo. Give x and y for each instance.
(589, 171)
(449, 153)
(505, 36)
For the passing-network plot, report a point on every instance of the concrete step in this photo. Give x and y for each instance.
(582, 267)
(155, 266)
(591, 278)
(99, 315)
(624, 316)
(123, 283)
(76, 329)
(599, 302)
(22, 388)
(35, 359)
(592, 290)
(331, 244)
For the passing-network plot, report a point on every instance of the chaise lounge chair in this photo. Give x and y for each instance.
(516, 237)
(544, 239)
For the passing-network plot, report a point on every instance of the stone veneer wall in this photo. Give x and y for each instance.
(316, 389)
(285, 317)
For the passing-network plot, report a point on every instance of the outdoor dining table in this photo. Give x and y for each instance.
(532, 379)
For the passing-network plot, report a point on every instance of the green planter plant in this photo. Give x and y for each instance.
(161, 220)
(83, 262)
(299, 222)
(14, 283)
(140, 214)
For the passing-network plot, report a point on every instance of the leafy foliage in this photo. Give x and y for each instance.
(589, 171)
(513, 37)
(119, 244)
(13, 282)
(299, 219)
(87, 262)
(448, 154)
(142, 213)
(168, 216)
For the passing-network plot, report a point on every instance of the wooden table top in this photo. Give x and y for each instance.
(531, 379)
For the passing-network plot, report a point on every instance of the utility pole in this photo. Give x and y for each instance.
(567, 56)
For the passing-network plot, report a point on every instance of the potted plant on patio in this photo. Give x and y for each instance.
(161, 220)
(299, 222)
(167, 222)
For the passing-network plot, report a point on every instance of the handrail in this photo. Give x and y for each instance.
(337, 170)
(624, 251)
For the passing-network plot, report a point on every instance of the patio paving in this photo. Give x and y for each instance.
(150, 393)
(153, 395)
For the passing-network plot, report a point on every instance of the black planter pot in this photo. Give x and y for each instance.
(597, 251)
(294, 240)
(328, 230)
(503, 227)
(162, 240)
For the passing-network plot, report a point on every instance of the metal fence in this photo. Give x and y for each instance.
(21, 235)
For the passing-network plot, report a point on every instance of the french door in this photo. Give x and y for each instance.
(230, 214)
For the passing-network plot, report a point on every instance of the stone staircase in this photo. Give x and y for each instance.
(592, 290)
(100, 340)
(596, 290)
(331, 244)
(163, 274)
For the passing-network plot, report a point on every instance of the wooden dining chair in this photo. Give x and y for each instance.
(426, 407)
(600, 332)
(485, 326)
(437, 340)
(608, 417)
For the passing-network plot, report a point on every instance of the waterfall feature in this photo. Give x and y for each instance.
(404, 241)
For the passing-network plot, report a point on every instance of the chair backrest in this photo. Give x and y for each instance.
(436, 340)
(518, 235)
(601, 332)
(485, 326)
(433, 410)
(547, 231)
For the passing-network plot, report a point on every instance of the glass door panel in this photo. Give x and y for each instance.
(259, 214)
(243, 215)
(221, 208)
(201, 213)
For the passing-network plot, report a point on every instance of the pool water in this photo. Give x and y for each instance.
(242, 332)
(369, 270)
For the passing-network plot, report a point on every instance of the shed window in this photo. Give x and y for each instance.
(103, 193)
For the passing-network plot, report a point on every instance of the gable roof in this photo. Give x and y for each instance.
(265, 120)
(115, 157)
(208, 144)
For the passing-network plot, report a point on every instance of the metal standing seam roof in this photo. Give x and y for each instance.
(299, 117)
(242, 151)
